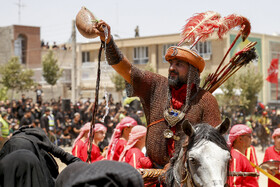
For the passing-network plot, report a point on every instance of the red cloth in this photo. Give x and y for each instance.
(140, 160)
(171, 143)
(118, 149)
(273, 71)
(240, 163)
(79, 147)
(276, 132)
(99, 127)
(135, 135)
(125, 122)
(270, 153)
(83, 130)
(78, 150)
(95, 154)
(179, 96)
(237, 130)
(178, 100)
(252, 156)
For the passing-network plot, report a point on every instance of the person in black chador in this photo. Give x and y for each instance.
(25, 160)
(34, 165)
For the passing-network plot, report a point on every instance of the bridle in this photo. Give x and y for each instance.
(187, 180)
(188, 177)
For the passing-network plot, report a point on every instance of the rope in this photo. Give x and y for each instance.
(105, 72)
(94, 108)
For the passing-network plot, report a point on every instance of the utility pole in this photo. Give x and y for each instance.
(74, 64)
(19, 10)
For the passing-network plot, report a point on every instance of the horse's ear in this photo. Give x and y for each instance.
(223, 127)
(187, 128)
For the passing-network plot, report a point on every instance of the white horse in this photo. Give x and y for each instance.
(204, 160)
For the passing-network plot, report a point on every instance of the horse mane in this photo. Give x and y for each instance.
(207, 132)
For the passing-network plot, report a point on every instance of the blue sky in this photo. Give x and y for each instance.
(154, 17)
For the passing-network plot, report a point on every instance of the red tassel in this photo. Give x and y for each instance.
(231, 21)
(200, 25)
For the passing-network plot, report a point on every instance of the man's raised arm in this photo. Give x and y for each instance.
(114, 56)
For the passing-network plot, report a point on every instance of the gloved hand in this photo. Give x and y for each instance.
(48, 146)
(99, 30)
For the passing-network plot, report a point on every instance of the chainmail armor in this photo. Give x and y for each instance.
(113, 53)
(152, 89)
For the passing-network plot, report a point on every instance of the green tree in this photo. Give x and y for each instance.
(149, 67)
(3, 93)
(14, 77)
(229, 88)
(51, 70)
(118, 81)
(228, 99)
(250, 84)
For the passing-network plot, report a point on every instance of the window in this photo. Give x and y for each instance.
(164, 49)
(85, 56)
(20, 46)
(141, 55)
(204, 49)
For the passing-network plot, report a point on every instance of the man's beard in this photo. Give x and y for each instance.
(178, 81)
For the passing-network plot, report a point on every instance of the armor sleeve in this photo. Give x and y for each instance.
(142, 84)
(113, 53)
(211, 112)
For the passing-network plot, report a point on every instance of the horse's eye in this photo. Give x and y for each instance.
(192, 161)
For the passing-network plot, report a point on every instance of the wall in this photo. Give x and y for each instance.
(33, 44)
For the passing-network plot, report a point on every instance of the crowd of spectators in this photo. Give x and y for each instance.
(62, 123)
(263, 122)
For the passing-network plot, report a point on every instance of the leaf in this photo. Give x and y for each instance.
(119, 82)
(51, 70)
(14, 77)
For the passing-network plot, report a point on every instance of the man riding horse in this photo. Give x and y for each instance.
(166, 101)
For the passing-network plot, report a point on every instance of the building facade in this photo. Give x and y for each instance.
(25, 43)
(143, 51)
(21, 41)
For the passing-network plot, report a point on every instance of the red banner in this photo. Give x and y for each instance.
(273, 71)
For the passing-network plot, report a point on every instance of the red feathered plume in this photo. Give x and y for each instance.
(231, 21)
(201, 25)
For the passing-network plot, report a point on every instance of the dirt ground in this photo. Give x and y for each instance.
(263, 178)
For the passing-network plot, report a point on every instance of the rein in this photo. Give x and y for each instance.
(94, 110)
(188, 178)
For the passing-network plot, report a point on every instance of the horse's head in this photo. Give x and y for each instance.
(207, 155)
